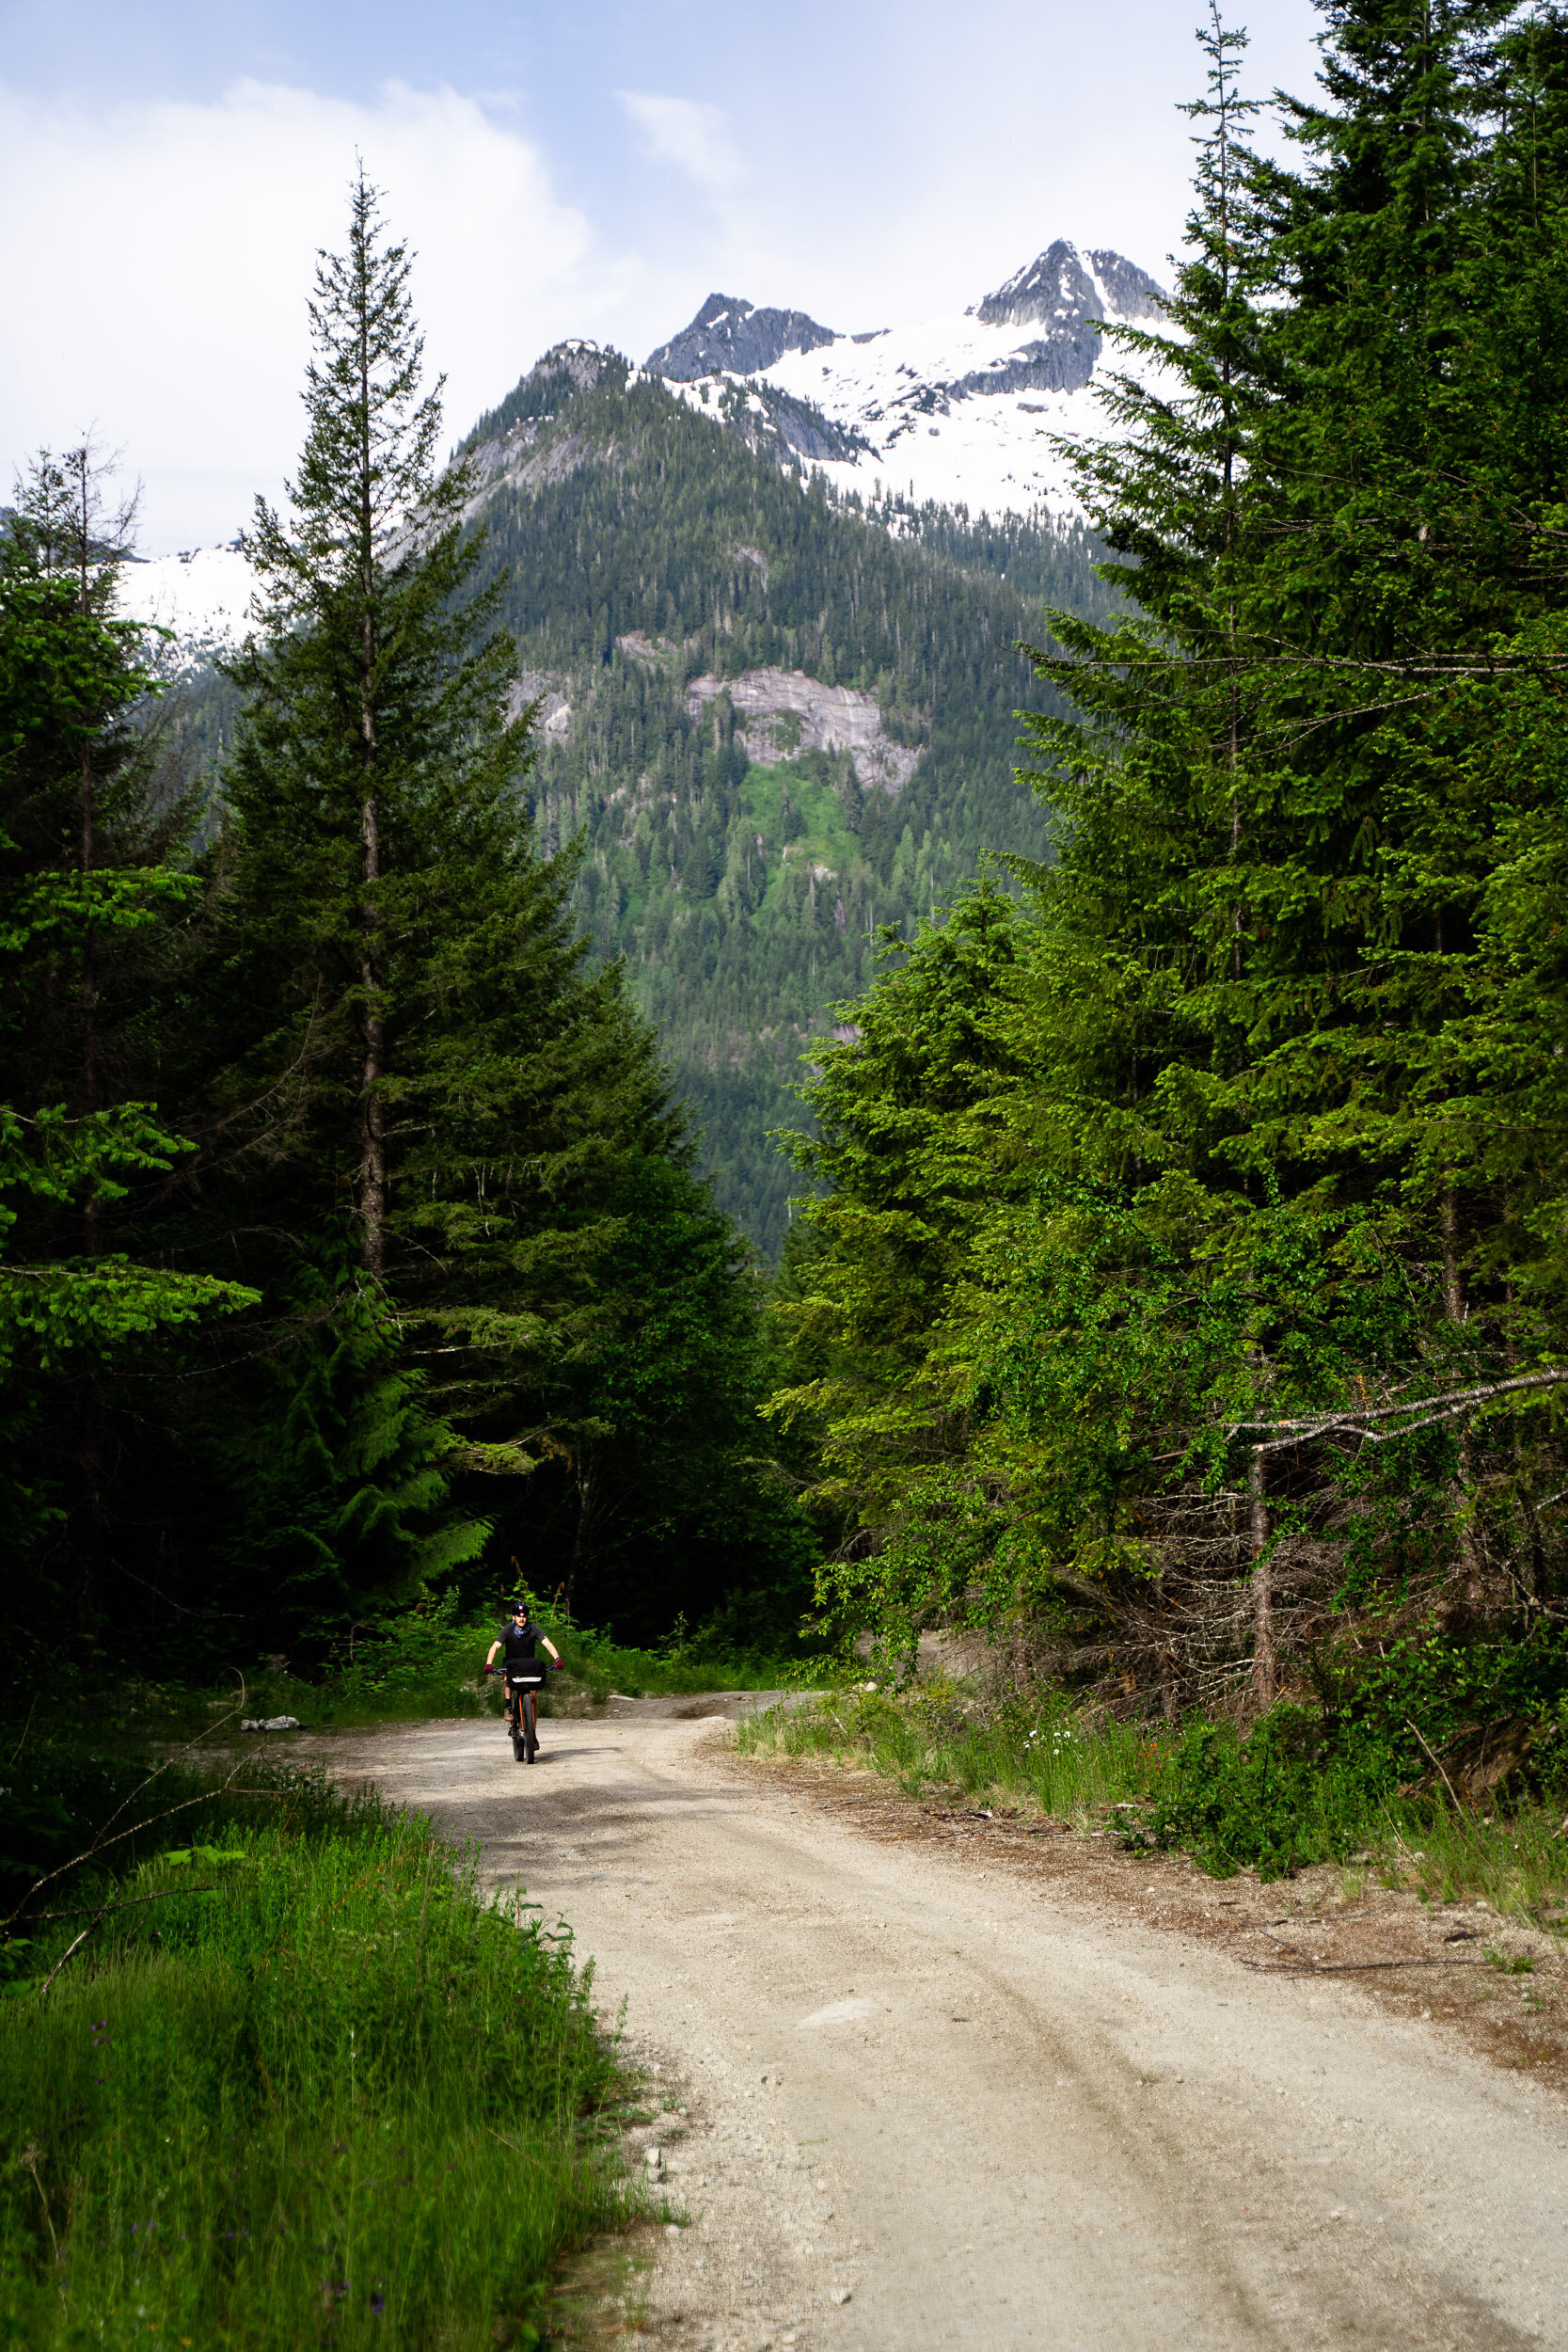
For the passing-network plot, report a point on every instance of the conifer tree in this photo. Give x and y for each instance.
(376, 721)
(1296, 1147)
(408, 1022)
(88, 908)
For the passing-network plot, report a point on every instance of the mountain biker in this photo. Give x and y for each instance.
(521, 1638)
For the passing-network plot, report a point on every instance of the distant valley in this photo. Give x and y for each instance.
(766, 590)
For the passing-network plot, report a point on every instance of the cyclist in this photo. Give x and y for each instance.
(521, 1638)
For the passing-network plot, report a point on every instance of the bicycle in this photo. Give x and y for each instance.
(523, 1678)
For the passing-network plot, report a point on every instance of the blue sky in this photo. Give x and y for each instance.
(167, 171)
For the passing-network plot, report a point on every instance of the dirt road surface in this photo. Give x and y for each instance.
(930, 2107)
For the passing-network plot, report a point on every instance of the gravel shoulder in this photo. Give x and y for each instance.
(923, 2087)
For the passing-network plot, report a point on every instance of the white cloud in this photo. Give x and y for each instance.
(688, 133)
(155, 260)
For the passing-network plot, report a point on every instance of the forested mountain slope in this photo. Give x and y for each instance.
(775, 721)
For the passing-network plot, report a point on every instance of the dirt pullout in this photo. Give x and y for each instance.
(933, 2099)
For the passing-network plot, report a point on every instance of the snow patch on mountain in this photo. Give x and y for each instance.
(959, 408)
(203, 596)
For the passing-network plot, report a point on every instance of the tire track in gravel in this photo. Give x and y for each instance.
(926, 2106)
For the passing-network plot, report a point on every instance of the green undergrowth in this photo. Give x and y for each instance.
(1290, 1794)
(601, 1666)
(425, 1661)
(302, 2085)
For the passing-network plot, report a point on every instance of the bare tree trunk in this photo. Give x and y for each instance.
(1454, 1288)
(372, 1138)
(1470, 1574)
(87, 1512)
(373, 1143)
(81, 464)
(583, 1466)
(1265, 1661)
(90, 1074)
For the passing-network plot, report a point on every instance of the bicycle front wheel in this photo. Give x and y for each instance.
(530, 1736)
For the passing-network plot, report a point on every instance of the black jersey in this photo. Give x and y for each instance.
(519, 1641)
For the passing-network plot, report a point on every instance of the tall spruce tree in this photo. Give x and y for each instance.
(432, 1111)
(376, 724)
(89, 908)
(1292, 1142)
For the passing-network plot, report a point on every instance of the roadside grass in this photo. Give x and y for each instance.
(1516, 1862)
(301, 2083)
(1029, 1757)
(1193, 1788)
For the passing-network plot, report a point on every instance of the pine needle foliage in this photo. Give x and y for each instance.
(1244, 1342)
(92, 828)
(414, 1137)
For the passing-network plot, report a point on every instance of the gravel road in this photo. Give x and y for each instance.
(927, 2105)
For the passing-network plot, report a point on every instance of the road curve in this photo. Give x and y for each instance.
(929, 2109)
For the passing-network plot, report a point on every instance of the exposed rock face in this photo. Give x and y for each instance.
(1134, 293)
(555, 718)
(1062, 363)
(732, 335)
(1053, 290)
(581, 362)
(767, 418)
(1056, 291)
(785, 711)
(509, 462)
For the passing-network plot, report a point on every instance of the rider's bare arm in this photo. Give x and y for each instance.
(495, 1652)
(552, 1647)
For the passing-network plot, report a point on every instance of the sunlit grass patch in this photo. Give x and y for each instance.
(1515, 1861)
(1039, 1757)
(303, 2082)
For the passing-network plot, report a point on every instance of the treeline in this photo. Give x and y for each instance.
(1186, 1304)
(644, 545)
(351, 1235)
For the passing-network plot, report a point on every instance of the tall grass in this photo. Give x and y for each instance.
(301, 2085)
(1514, 1860)
(1232, 1804)
(1031, 1755)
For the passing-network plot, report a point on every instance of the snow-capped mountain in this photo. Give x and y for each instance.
(959, 409)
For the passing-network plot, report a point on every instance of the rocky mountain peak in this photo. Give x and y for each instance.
(1055, 289)
(1134, 293)
(580, 361)
(732, 335)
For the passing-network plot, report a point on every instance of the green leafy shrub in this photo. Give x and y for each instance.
(1277, 1800)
